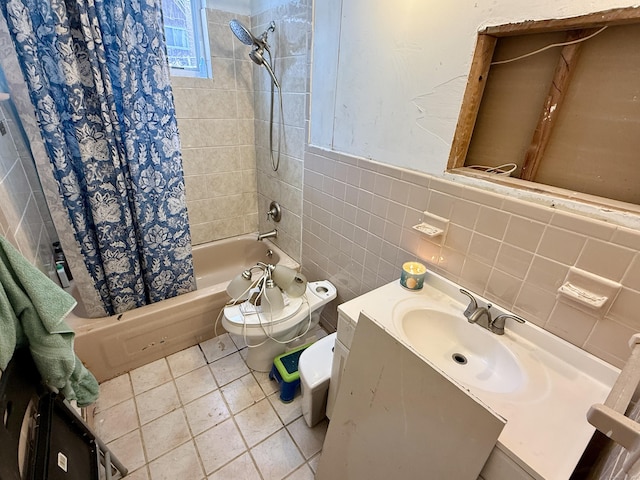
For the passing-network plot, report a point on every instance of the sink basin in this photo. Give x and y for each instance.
(467, 353)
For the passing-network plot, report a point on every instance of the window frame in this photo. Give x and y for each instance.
(478, 74)
(201, 43)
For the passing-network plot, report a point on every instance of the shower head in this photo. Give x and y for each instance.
(242, 33)
(259, 45)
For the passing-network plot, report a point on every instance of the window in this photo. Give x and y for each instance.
(566, 116)
(185, 29)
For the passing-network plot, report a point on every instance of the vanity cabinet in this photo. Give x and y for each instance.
(396, 416)
(498, 466)
(546, 430)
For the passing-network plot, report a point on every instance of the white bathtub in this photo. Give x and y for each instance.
(113, 345)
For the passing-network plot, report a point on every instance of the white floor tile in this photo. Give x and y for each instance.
(277, 456)
(186, 361)
(128, 450)
(114, 422)
(309, 440)
(229, 368)
(303, 473)
(195, 384)
(114, 391)
(150, 376)
(238, 340)
(313, 462)
(165, 433)
(206, 412)
(219, 447)
(241, 468)
(268, 386)
(288, 412)
(242, 393)
(180, 463)
(218, 347)
(157, 402)
(219, 444)
(258, 422)
(140, 474)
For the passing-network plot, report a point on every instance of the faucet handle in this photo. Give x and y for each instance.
(275, 212)
(497, 324)
(473, 304)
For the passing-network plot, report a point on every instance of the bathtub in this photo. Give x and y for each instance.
(111, 346)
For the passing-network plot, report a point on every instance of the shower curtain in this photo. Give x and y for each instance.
(98, 79)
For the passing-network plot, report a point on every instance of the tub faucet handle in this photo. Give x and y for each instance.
(275, 212)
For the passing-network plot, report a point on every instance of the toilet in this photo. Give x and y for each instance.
(269, 337)
(314, 367)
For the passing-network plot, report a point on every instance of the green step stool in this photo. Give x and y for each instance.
(285, 372)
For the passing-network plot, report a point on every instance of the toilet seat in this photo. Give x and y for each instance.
(238, 316)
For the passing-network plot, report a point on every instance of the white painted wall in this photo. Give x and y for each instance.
(242, 7)
(389, 76)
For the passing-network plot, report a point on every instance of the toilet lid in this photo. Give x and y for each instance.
(244, 314)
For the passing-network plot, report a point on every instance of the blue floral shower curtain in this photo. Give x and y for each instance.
(99, 81)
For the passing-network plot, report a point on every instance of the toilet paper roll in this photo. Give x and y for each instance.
(298, 286)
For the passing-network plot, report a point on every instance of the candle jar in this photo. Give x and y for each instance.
(412, 277)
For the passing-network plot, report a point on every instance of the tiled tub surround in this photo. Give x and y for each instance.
(201, 413)
(216, 123)
(224, 128)
(291, 43)
(357, 233)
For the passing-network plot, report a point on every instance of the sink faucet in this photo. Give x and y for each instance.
(476, 314)
(497, 325)
(272, 234)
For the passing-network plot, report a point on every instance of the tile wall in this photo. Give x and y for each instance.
(20, 219)
(357, 219)
(291, 48)
(216, 124)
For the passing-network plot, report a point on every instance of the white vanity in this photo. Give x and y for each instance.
(541, 385)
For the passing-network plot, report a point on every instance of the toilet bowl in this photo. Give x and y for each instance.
(314, 367)
(266, 336)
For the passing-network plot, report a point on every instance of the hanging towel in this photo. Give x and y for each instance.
(32, 312)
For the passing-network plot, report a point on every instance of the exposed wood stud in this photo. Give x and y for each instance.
(471, 100)
(559, 85)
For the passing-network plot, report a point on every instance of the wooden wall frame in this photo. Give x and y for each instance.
(480, 69)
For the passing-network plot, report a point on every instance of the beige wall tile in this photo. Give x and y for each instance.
(464, 213)
(475, 275)
(458, 238)
(561, 245)
(482, 197)
(571, 324)
(483, 248)
(524, 233)
(609, 341)
(627, 238)
(503, 288)
(605, 259)
(631, 278)
(546, 274)
(534, 303)
(451, 261)
(528, 210)
(492, 222)
(584, 225)
(440, 204)
(625, 308)
(513, 260)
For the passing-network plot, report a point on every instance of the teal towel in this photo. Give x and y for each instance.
(32, 312)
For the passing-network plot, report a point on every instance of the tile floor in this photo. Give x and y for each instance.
(203, 414)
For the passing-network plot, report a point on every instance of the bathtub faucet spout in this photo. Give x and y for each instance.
(272, 234)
